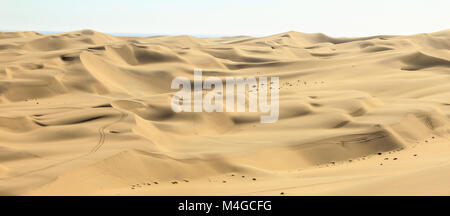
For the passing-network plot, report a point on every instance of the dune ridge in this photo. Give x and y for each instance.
(86, 113)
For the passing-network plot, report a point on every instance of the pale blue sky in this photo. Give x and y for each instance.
(228, 17)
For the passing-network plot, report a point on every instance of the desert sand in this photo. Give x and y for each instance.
(87, 113)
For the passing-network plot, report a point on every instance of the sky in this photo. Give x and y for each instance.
(343, 18)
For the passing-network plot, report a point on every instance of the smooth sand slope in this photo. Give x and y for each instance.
(86, 113)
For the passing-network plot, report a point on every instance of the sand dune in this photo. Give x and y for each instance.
(86, 113)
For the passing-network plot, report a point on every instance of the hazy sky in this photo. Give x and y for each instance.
(228, 17)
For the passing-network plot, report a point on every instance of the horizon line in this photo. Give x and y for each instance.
(131, 34)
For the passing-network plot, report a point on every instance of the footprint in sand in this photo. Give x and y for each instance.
(135, 186)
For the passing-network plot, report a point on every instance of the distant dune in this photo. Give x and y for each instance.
(86, 113)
